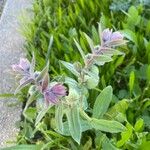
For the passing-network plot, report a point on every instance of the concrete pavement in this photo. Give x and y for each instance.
(11, 49)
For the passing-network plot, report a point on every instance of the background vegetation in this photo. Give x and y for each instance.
(50, 35)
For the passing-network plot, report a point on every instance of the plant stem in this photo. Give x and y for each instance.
(84, 115)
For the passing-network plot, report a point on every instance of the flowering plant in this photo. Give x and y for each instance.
(69, 95)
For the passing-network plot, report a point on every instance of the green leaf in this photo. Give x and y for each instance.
(110, 52)
(24, 147)
(92, 80)
(125, 136)
(71, 82)
(139, 125)
(148, 73)
(26, 83)
(130, 35)
(43, 73)
(59, 118)
(90, 42)
(119, 107)
(102, 59)
(131, 81)
(106, 125)
(30, 113)
(88, 144)
(30, 100)
(49, 48)
(145, 145)
(41, 114)
(100, 32)
(102, 102)
(92, 77)
(80, 49)
(74, 123)
(70, 67)
(84, 125)
(106, 144)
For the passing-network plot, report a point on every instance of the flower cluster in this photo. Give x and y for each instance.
(103, 52)
(52, 92)
(25, 70)
(73, 102)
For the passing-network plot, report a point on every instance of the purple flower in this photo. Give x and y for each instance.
(116, 36)
(110, 38)
(106, 35)
(52, 94)
(22, 67)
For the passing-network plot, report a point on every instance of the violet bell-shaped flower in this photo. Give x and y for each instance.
(110, 38)
(23, 67)
(23, 70)
(52, 93)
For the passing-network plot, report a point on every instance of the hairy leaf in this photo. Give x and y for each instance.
(70, 67)
(106, 125)
(102, 102)
(41, 114)
(74, 123)
(59, 118)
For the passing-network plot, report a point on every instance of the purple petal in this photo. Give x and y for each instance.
(50, 97)
(59, 89)
(24, 64)
(106, 35)
(16, 68)
(116, 36)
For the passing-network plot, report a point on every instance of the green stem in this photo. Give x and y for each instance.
(84, 115)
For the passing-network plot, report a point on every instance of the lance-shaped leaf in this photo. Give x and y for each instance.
(80, 49)
(71, 82)
(110, 51)
(102, 102)
(59, 118)
(32, 65)
(84, 125)
(24, 84)
(115, 43)
(70, 67)
(43, 73)
(90, 42)
(41, 114)
(101, 59)
(100, 33)
(74, 123)
(131, 81)
(119, 107)
(107, 125)
(49, 48)
(106, 143)
(30, 100)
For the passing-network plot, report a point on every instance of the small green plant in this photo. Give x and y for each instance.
(69, 95)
